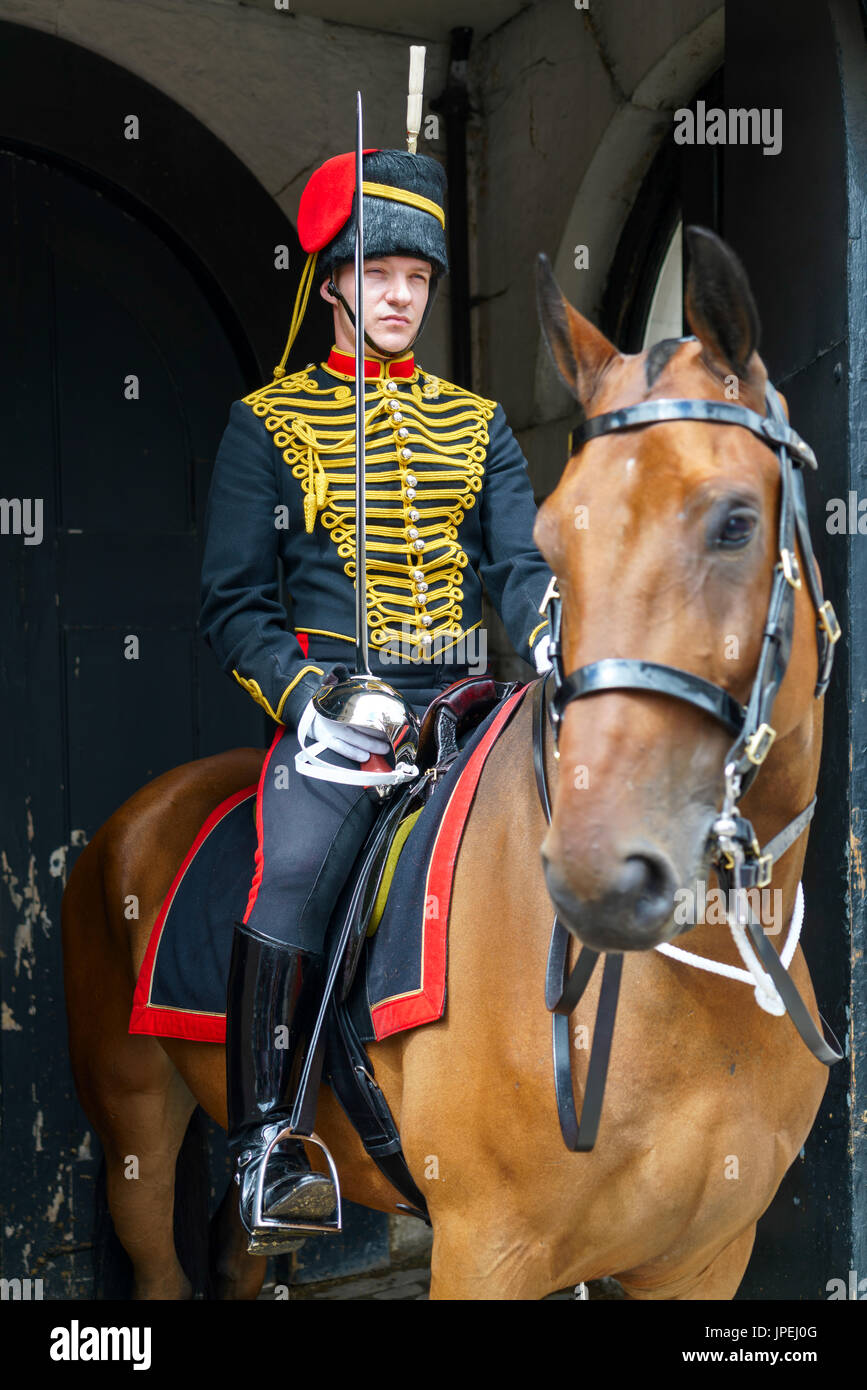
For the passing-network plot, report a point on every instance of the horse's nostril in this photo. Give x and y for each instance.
(647, 880)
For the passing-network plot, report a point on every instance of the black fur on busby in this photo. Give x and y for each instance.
(392, 228)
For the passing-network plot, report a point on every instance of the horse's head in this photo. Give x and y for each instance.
(664, 539)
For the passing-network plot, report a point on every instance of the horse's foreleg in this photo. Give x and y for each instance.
(719, 1280)
(142, 1129)
(236, 1273)
(493, 1260)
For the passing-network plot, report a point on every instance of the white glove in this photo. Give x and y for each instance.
(348, 739)
(540, 655)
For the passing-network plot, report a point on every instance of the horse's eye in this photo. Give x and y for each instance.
(736, 530)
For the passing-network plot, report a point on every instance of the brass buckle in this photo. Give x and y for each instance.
(764, 865)
(550, 593)
(790, 569)
(828, 622)
(758, 744)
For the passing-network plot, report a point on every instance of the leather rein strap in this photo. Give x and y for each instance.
(563, 991)
(749, 724)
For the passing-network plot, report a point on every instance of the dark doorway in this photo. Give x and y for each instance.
(787, 216)
(142, 297)
(117, 380)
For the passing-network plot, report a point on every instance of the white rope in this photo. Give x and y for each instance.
(767, 995)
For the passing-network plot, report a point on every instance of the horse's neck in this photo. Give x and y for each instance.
(515, 765)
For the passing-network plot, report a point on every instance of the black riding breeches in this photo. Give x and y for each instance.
(309, 833)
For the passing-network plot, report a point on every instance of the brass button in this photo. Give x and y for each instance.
(410, 480)
(418, 545)
(391, 386)
(403, 432)
(406, 453)
(410, 493)
(414, 515)
(397, 417)
(418, 574)
(426, 619)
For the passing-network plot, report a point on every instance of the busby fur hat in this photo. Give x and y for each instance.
(392, 227)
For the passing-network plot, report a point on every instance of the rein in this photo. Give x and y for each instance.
(733, 848)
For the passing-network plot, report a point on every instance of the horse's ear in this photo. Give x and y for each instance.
(720, 308)
(580, 352)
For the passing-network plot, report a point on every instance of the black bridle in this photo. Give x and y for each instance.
(750, 723)
(733, 848)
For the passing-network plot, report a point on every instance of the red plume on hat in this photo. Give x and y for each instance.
(326, 203)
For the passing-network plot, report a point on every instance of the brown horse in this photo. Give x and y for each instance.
(709, 1099)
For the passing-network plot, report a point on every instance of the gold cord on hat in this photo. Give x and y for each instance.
(301, 298)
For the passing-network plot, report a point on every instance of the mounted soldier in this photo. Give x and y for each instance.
(447, 504)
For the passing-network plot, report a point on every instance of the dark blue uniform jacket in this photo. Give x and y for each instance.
(449, 505)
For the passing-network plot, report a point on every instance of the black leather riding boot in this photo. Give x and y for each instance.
(273, 999)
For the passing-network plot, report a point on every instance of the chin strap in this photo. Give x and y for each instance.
(304, 287)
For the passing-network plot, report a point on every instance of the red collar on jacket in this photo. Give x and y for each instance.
(344, 364)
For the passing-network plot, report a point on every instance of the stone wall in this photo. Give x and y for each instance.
(277, 88)
(574, 104)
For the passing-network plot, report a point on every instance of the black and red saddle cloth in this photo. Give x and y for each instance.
(400, 982)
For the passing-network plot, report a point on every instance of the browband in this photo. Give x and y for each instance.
(772, 431)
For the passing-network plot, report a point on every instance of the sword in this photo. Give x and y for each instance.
(362, 667)
(362, 699)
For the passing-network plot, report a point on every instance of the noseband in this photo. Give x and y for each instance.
(733, 848)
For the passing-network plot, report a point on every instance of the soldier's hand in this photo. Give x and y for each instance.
(540, 655)
(349, 740)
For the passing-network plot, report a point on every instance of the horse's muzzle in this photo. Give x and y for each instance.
(633, 912)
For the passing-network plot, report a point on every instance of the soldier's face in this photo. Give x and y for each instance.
(395, 295)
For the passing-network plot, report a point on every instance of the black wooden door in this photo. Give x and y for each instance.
(787, 215)
(795, 218)
(116, 379)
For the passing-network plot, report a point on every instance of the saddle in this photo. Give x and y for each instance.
(453, 713)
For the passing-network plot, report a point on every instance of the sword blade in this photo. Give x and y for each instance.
(361, 651)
